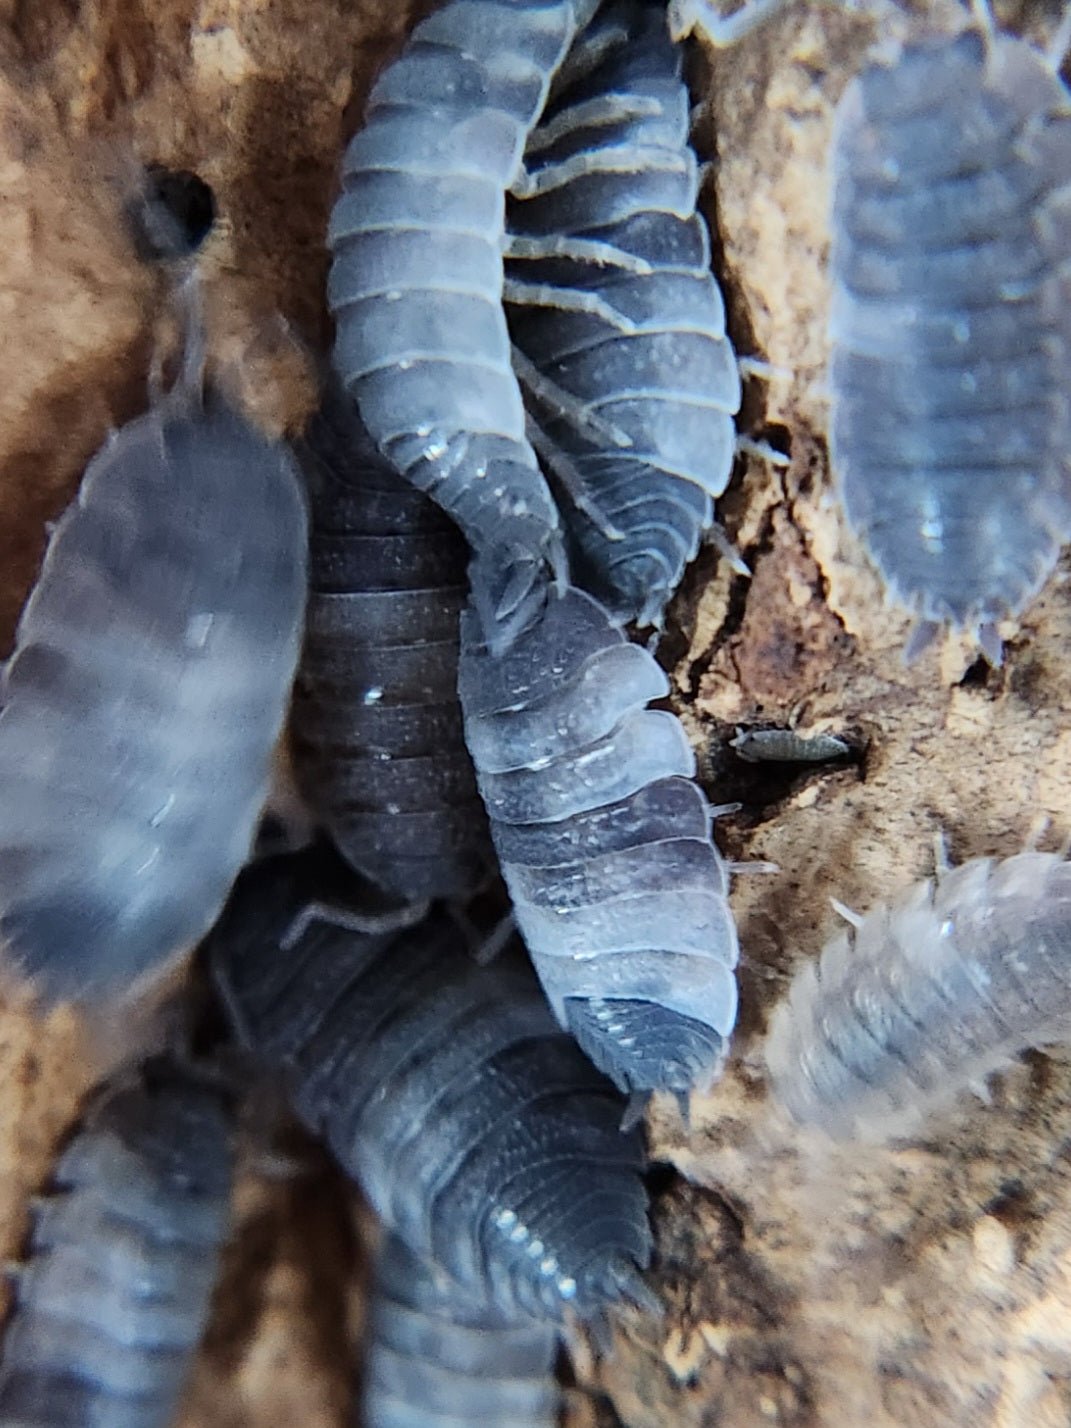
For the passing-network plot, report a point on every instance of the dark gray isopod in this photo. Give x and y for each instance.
(435, 1359)
(631, 380)
(378, 748)
(926, 996)
(141, 707)
(416, 278)
(950, 326)
(605, 843)
(123, 1258)
(478, 1131)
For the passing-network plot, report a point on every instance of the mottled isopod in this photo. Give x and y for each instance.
(951, 415)
(416, 280)
(438, 1360)
(477, 1129)
(631, 380)
(927, 995)
(123, 1258)
(142, 704)
(605, 843)
(378, 747)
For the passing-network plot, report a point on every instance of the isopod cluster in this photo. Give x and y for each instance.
(507, 923)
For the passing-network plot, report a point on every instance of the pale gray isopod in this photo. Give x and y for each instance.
(927, 995)
(436, 1359)
(951, 323)
(123, 1258)
(416, 280)
(605, 843)
(631, 379)
(147, 689)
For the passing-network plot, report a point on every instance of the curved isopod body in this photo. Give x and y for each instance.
(951, 422)
(478, 1131)
(631, 380)
(605, 843)
(124, 1253)
(378, 748)
(927, 995)
(147, 689)
(416, 279)
(438, 1360)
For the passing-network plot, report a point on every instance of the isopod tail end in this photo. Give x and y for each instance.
(634, 1110)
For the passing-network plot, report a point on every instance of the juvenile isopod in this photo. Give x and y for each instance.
(785, 746)
(378, 747)
(950, 420)
(605, 843)
(927, 995)
(123, 1258)
(476, 1128)
(147, 689)
(436, 1359)
(631, 380)
(417, 279)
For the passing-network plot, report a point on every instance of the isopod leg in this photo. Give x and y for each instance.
(370, 924)
(525, 294)
(560, 463)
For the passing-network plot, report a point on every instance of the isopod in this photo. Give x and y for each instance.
(476, 1128)
(631, 380)
(417, 279)
(438, 1360)
(123, 1258)
(378, 747)
(950, 419)
(145, 695)
(927, 995)
(605, 843)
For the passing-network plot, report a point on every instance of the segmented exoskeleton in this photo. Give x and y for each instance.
(478, 1131)
(436, 1359)
(378, 747)
(951, 424)
(926, 995)
(122, 1260)
(416, 281)
(605, 843)
(631, 380)
(151, 672)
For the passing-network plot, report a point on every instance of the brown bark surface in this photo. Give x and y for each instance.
(925, 1284)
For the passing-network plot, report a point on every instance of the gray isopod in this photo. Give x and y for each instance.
(123, 1258)
(631, 380)
(435, 1359)
(477, 1129)
(927, 995)
(605, 843)
(378, 747)
(141, 707)
(951, 421)
(417, 279)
